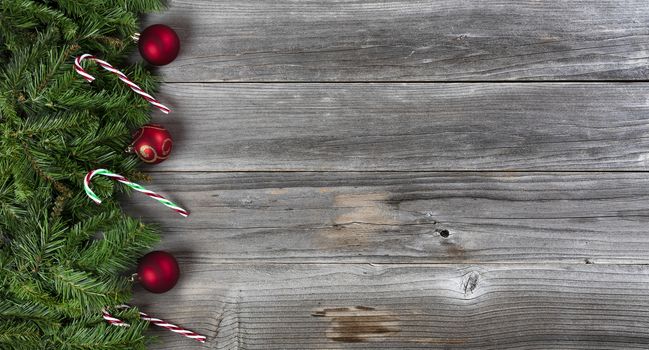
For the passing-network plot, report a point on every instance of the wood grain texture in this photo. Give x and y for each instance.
(413, 40)
(354, 306)
(362, 127)
(429, 209)
(402, 217)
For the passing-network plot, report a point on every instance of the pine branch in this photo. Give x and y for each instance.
(88, 289)
(119, 247)
(63, 259)
(19, 335)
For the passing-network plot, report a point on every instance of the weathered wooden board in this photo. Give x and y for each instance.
(312, 306)
(403, 217)
(407, 40)
(361, 127)
(333, 215)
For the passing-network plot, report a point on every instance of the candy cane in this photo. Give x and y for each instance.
(156, 321)
(107, 66)
(133, 185)
(112, 320)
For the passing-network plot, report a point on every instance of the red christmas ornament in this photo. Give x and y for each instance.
(159, 44)
(158, 271)
(152, 143)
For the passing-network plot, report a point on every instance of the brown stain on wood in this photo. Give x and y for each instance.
(358, 324)
(365, 208)
(278, 191)
(549, 39)
(360, 215)
(454, 250)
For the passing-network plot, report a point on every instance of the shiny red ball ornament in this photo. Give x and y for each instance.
(159, 44)
(152, 143)
(158, 271)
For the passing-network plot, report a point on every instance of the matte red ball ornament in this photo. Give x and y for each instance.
(152, 143)
(158, 271)
(159, 44)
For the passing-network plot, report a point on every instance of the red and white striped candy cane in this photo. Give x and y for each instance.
(107, 66)
(156, 321)
(112, 320)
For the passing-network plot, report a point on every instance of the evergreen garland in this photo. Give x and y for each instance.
(63, 258)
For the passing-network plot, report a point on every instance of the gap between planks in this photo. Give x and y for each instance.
(530, 81)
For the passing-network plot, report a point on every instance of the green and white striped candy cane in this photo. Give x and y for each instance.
(133, 185)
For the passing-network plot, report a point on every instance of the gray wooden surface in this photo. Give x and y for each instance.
(456, 126)
(399, 217)
(365, 174)
(368, 306)
(408, 40)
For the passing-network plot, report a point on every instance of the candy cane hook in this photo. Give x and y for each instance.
(133, 185)
(107, 66)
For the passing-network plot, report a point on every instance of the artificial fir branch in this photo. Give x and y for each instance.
(62, 258)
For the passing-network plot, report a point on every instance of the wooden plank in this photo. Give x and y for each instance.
(311, 306)
(413, 40)
(333, 127)
(403, 217)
